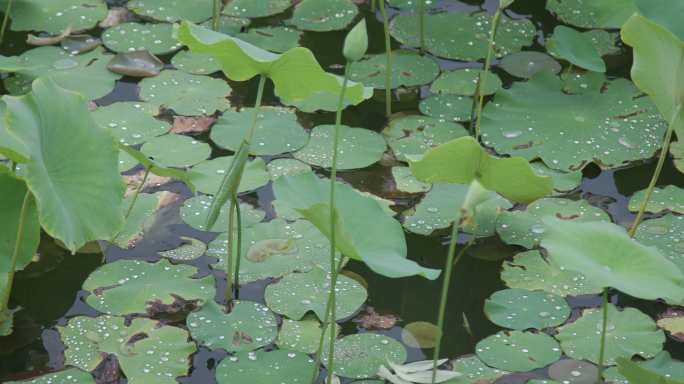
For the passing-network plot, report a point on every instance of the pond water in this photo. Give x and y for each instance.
(50, 291)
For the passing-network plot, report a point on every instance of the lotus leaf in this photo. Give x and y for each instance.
(361, 355)
(176, 150)
(570, 371)
(464, 82)
(301, 335)
(522, 309)
(139, 218)
(208, 174)
(412, 135)
(406, 182)
(126, 161)
(67, 376)
(672, 321)
(274, 39)
(575, 47)
(526, 64)
(263, 367)
(55, 16)
(129, 37)
(146, 350)
(191, 249)
(628, 333)
(132, 286)
(641, 374)
(277, 130)
(323, 16)
(358, 147)
(447, 107)
(229, 25)
(14, 192)
(604, 41)
(536, 120)
(298, 293)
(195, 210)
(409, 69)
(463, 36)
(256, 8)
(135, 64)
(592, 13)
(664, 13)
(195, 63)
(582, 82)
(284, 167)
(76, 44)
(474, 371)
(420, 334)
(563, 182)
(174, 10)
(668, 198)
(518, 351)
(186, 94)
(131, 122)
(665, 234)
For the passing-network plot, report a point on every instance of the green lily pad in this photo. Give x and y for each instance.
(412, 135)
(56, 16)
(409, 69)
(323, 16)
(666, 234)
(208, 175)
(256, 8)
(447, 107)
(463, 36)
(642, 373)
(86, 73)
(132, 286)
(529, 270)
(464, 82)
(275, 39)
(191, 249)
(186, 94)
(577, 83)
(474, 371)
(575, 47)
(277, 130)
(174, 10)
(522, 309)
(604, 41)
(195, 63)
(672, 321)
(301, 335)
(67, 376)
(518, 351)
(406, 182)
(563, 182)
(628, 333)
(536, 120)
(147, 351)
(592, 13)
(526, 228)
(176, 150)
(668, 198)
(358, 147)
(139, 218)
(126, 161)
(129, 37)
(285, 167)
(666, 366)
(421, 334)
(361, 355)
(570, 371)
(247, 327)
(299, 293)
(229, 25)
(526, 64)
(263, 367)
(132, 122)
(195, 210)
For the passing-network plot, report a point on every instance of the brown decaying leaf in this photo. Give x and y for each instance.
(373, 320)
(133, 181)
(48, 40)
(188, 124)
(116, 16)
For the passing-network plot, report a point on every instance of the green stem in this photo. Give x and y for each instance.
(373, 5)
(236, 278)
(488, 62)
(602, 348)
(388, 55)
(15, 254)
(137, 193)
(656, 174)
(229, 254)
(5, 20)
(421, 25)
(216, 15)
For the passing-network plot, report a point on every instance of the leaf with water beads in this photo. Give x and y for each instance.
(285, 167)
(275, 39)
(195, 210)
(323, 16)
(146, 205)
(474, 371)
(518, 351)
(668, 198)
(570, 371)
(174, 150)
(172, 11)
(296, 294)
(667, 235)
(575, 47)
(464, 82)
(302, 335)
(526, 64)
(592, 13)
(361, 355)
(522, 309)
(447, 107)
(628, 333)
(208, 175)
(191, 249)
(195, 63)
(67, 376)
(563, 182)
(55, 16)
(579, 82)
(186, 94)
(262, 367)
(131, 286)
(412, 135)
(247, 327)
(129, 37)
(256, 8)
(146, 350)
(409, 69)
(132, 122)
(406, 182)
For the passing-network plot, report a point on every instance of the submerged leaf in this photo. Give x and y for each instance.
(136, 64)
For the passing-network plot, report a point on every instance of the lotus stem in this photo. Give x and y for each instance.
(482, 80)
(656, 174)
(137, 193)
(373, 5)
(229, 254)
(421, 25)
(216, 15)
(388, 55)
(602, 349)
(5, 20)
(15, 254)
(236, 278)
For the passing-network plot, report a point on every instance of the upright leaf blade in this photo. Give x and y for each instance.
(13, 191)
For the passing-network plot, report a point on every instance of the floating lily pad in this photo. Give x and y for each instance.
(529, 270)
(67, 376)
(526, 228)
(463, 36)
(132, 286)
(665, 233)
(256, 8)
(421, 334)
(412, 135)
(577, 83)
(195, 63)
(284, 167)
(176, 150)
(145, 206)
(263, 367)
(573, 372)
(604, 41)
(669, 198)
(474, 371)
(447, 107)
(664, 365)
(228, 25)
(195, 210)
(358, 147)
(132, 122)
(147, 351)
(563, 182)
(208, 175)
(672, 320)
(191, 249)
(275, 39)
(129, 37)
(409, 69)
(575, 47)
(408, 183)
(277, 131)
(535, 120)
(361, 355)
(174, 10)
(136, 64)
(628, 333)
(186, 94)
(522, 309)
(76, 44)
(56, 15)
(527, 63)
(301, 335)
(299, 293)
(247, 327)
(518, 351)
(592, 13)
(86, 73)
(323, 16)
(464, 82)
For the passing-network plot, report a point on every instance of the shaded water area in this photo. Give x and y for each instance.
(50, 290)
